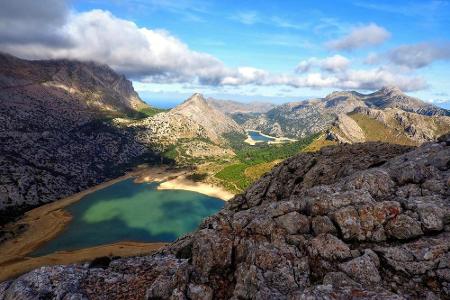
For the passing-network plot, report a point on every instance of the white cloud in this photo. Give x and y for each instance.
(419, 55)
(360, 37)
(156, 56)
(335, 63)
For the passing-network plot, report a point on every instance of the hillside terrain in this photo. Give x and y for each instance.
(55, 135)
(69, 125)
(396, 115)
(189, 133)
(232, 107)
(369, 220)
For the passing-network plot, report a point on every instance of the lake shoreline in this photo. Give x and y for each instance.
(46, 222)
(276, 140)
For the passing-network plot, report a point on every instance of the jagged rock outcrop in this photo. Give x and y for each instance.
(55, 138)
(367, 221)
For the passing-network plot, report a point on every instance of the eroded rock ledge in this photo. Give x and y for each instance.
(354, 221)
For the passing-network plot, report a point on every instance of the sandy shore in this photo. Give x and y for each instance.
(46, 222)
(22, 265)
(277, 140)
(182, 183)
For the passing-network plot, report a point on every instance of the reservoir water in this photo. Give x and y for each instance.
(258, 137)
(129, 211)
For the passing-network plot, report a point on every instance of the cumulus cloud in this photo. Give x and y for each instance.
(156, 56)
(153, 55)
(419, 55)
(30, 21)
(360, 37)
(335, 63)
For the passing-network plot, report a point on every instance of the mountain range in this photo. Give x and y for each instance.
(354, 117)
(68, 125)
(231, 107)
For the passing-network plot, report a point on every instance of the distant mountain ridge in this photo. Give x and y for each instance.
(300, 119)
(231, 107)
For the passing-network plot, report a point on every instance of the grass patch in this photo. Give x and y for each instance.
(377, 131)
(254, 161)
(146, 112)
(234, 178)
(318, 144)
(255, 172)
(197, 177)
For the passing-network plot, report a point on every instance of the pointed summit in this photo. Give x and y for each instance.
(196, 97)
(197, 109)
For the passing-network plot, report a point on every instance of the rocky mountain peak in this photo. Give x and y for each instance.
(214, 121)
(390, 90)
(196, 98)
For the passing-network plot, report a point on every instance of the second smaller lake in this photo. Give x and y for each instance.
(258, 137)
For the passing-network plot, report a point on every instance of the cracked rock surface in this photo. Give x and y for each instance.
(353, 221)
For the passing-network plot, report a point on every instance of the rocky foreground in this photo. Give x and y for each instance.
(353, 221)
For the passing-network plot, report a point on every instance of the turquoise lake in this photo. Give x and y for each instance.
(258, 137)
(128, 211)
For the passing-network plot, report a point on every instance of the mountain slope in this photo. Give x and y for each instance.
(197, 109)
(392, 97)
(192, 130)
(55, 139)
(299, 119)
(232, 107)
(366, 221)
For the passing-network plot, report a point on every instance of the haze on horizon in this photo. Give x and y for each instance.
(269, 51)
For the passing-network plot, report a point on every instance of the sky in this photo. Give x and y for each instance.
(274, 51)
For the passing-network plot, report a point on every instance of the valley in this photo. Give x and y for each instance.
(115, 176)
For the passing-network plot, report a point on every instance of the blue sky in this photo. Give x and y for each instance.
(258, 50)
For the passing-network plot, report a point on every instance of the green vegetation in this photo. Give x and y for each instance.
(254, 161)
(146, 112)
(196, 177)
(179, 151)
(233, 177)
(376, 131)
(318, 144)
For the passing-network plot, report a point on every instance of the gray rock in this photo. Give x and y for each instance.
(363, 269)
(403, 227)
(294, 223)
(323, 224)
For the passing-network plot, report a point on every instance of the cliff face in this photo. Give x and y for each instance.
(54, 139)
(367, 220)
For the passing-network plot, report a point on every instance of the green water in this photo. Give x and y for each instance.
(128, 211)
